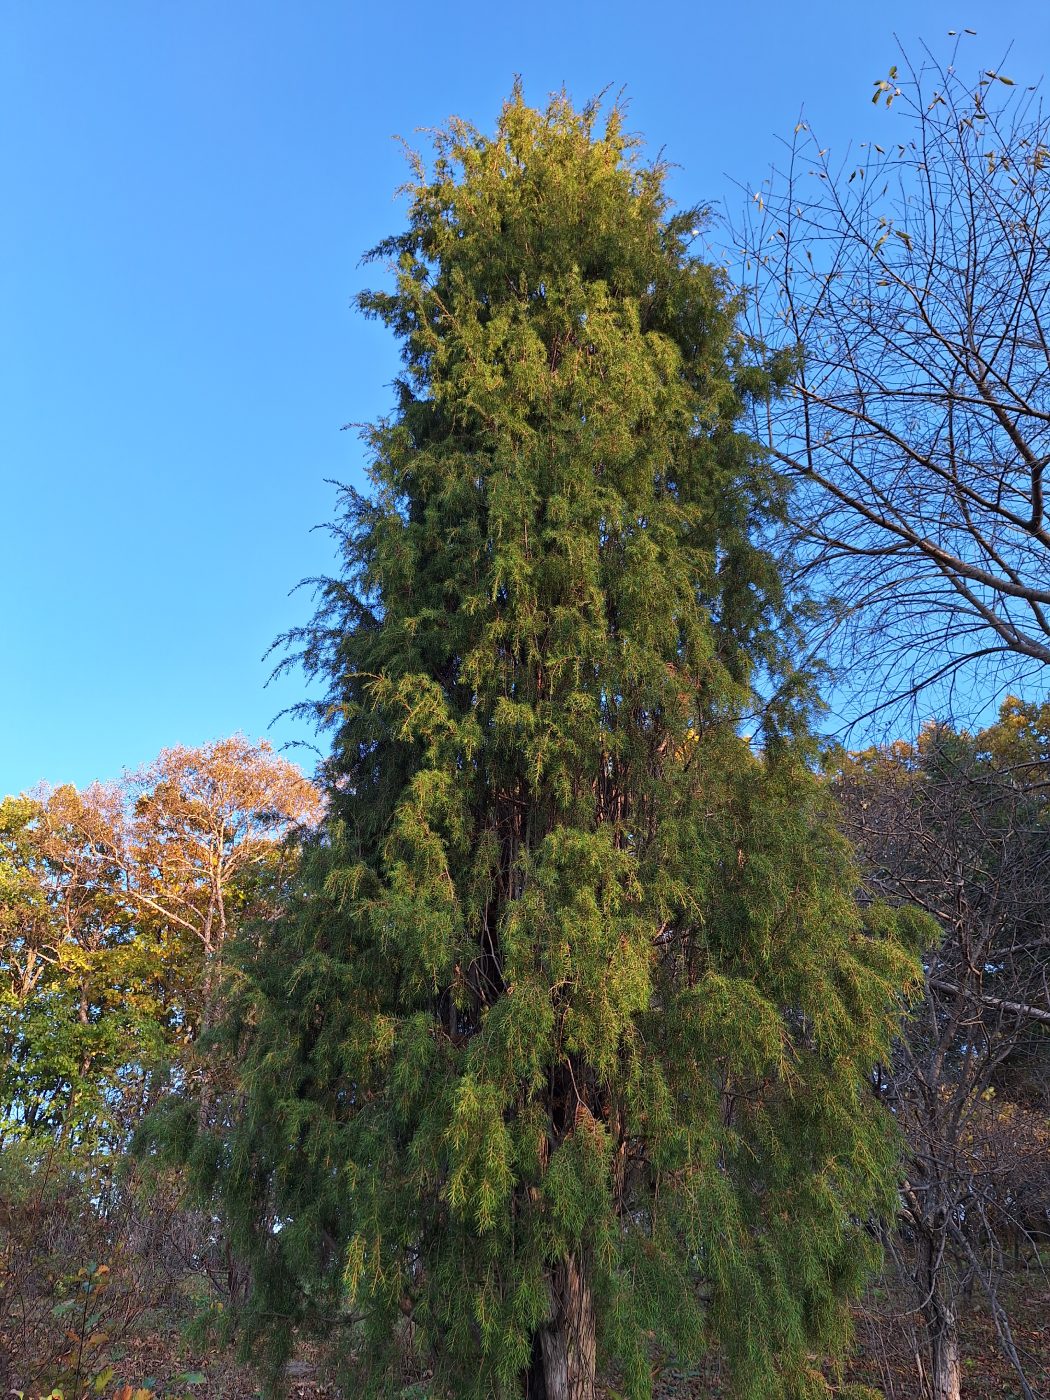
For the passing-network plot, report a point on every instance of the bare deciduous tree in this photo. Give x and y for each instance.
(958, 827)
(906, 287)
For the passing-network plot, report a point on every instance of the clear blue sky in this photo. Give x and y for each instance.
(187, 189)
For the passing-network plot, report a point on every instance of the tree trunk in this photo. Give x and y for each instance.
(943, 1337)
(563, 1352)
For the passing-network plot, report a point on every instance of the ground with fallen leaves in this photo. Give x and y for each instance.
(157, 1364)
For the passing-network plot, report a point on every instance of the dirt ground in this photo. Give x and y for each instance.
(156, 1362)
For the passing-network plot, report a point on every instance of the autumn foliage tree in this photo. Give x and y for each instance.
(554, 1063)
(116, 904)
(203, 850)
(74, 1007)
(115, 907)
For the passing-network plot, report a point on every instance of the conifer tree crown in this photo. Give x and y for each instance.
(558, 1050)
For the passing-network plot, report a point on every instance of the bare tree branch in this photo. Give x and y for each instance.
(905, 290)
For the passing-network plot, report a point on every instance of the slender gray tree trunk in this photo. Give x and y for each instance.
(942, 1333)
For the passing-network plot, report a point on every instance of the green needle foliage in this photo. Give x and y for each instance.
(558, 1051)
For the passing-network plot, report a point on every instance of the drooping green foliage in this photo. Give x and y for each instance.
(567, 1022)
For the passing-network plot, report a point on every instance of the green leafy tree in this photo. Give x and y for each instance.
(554, 1061)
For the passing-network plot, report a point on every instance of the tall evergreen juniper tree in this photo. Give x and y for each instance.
(555, 1060)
